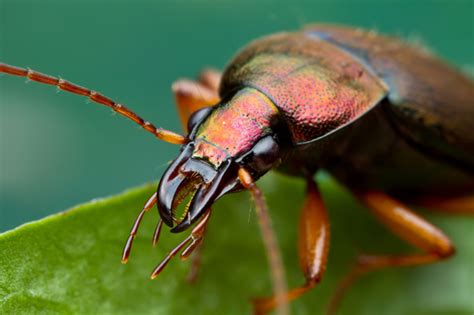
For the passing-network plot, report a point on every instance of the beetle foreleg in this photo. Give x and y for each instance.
(408, 226)
(313, 246)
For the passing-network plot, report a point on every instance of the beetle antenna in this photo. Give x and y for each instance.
(165, 135)
(269, 239)
(133, 232)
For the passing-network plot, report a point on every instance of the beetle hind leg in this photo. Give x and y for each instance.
(313, 247)
(408, 226)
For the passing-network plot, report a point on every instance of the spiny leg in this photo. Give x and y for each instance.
(188, 244)
(313, 246)
(165, 135)
(271, 245)
(408, 226)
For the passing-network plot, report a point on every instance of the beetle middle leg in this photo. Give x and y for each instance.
(405, 224)
(313, 247)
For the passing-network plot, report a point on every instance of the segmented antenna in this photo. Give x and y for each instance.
(165, 135)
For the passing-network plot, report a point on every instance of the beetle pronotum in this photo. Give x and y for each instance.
(355, 103)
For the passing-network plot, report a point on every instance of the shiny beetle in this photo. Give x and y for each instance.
(390, 121)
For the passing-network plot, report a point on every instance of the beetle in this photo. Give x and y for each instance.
(389, 121)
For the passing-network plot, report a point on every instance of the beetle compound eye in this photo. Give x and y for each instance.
(198, 116)
(265, 153)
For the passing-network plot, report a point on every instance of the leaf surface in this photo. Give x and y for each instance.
(69, 263)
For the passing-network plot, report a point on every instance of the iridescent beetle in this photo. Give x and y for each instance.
(390, 121)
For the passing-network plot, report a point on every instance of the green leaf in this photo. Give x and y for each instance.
(69, 263)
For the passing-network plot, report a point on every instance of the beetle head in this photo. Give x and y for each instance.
(223, 138)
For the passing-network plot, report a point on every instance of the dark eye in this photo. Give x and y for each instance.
(265, 153)
(198, 116)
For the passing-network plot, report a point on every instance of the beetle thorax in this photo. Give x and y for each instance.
(234, 127)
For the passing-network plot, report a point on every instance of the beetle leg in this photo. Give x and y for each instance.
(408, 226)
(193, 95)
(313, 246)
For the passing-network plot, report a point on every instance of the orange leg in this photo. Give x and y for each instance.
(313, 246)
(191, 96)
(408, 226)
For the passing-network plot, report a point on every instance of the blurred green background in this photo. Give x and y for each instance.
(59, 150)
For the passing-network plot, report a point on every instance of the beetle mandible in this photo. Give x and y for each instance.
(393, 123)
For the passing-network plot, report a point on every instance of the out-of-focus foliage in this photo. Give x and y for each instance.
(69, 263)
